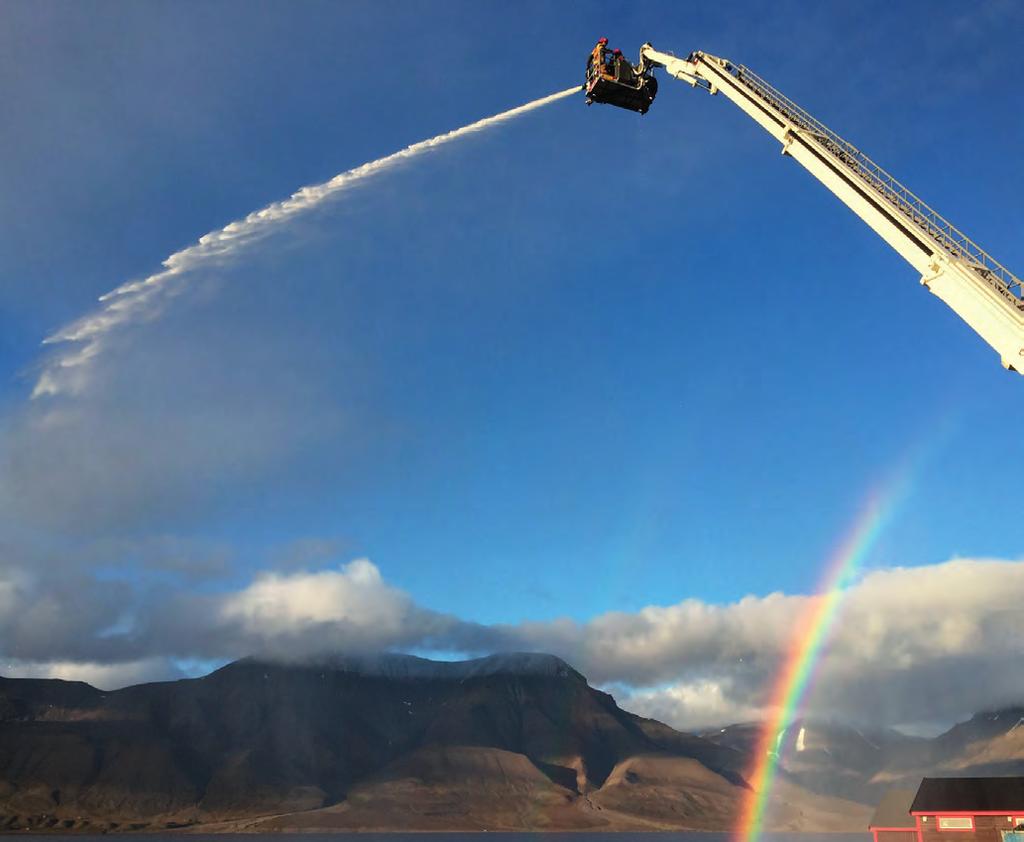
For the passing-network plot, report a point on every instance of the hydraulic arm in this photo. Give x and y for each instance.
(980, 290)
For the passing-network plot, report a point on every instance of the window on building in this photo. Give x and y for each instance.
(956, 823)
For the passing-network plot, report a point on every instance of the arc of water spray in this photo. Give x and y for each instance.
(137, 301)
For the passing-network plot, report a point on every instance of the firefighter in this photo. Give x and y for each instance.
(596, 59)
(613, 65)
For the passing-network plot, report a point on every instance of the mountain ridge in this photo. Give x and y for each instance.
(508, 742)
(410, 667)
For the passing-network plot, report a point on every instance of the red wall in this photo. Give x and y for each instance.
(986, 829)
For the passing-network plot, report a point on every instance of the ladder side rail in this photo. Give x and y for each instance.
(803, 146)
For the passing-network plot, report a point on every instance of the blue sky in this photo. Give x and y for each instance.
(583, 362)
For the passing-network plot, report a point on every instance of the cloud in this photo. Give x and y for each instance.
(357, 594)
(305, 553)
(903, 642)
(8, 595)
(111, 676)
(295, 615)
(694, 705)
(160, 556)
(67, 618)
(652, 645)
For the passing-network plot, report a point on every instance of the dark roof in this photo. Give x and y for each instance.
(894, 810)
(965, 795)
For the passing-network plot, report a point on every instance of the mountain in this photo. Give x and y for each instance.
(860, 764)
(829, 758)
(393, 742)
(990, 743)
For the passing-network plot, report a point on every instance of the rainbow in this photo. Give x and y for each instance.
(794, 678)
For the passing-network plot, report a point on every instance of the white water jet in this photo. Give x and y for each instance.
(136, 301)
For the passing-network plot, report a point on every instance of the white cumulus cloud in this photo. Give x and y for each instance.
(355, 594)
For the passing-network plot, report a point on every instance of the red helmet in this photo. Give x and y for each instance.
(602, 40)
(617, 52)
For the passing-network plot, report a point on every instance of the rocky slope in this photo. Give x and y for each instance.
(510, 742)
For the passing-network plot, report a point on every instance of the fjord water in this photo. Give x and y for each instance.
(654, 836)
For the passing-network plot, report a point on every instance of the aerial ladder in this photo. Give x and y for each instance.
(979, 289)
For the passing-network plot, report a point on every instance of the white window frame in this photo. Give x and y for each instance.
(941, 823)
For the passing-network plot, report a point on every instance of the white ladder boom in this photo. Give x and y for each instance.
(983, 292)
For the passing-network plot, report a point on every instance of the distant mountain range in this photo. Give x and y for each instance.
(388, 743)
(860, 764)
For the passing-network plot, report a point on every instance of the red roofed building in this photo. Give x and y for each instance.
(968, 809)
